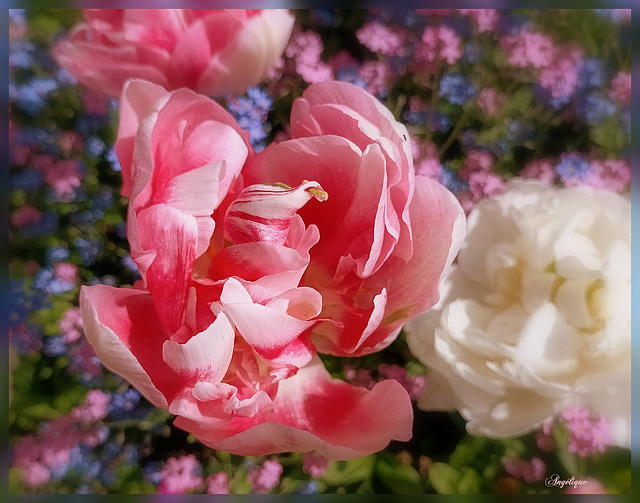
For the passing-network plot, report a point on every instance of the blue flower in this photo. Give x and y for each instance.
(54, 346)
(112, 158)
(456, 88)
(310, 487)
(26, 338)
(572, 166)
(29, 180)
(94, 146)
(129, 263)
(449, 179)
(591, 74)
(251, 113)
(594, 108)
(56, 254)
(88, 249)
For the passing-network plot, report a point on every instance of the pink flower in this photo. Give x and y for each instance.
(180, 475)
(380, 38)
(541, 169)
(218, 330)
(64, 176)
(24, 216)
(374, 269)
(529, 471)
(528, 48)
(621, 88)
(218, 483)
(610, 174)
(490, 101)
(305, 48)
(560, 77)
(93, 409)
(314, 464)
(476, 161)
(438, 43)
(485, 19)
(213, 51)
(376, 75)
(66, 272)
(71, 325)
(36, 474)
(264, 478)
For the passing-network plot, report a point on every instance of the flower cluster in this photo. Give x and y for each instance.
(249, 265)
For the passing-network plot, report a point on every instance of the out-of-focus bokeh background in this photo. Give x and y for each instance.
(531, 93)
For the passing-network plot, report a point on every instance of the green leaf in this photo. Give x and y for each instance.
(470, 483)
(609, 136)
(342, 473)
(400, 478)
(444, 478)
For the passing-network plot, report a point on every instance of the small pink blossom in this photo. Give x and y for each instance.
(314, 464)
(63, 176)
(359, 377)
(376, 75)
(93, 409)
(180, 475)
(476, 161)
(485, 19)
(71, 325)
(610, 174)
(560, 77)
(621, 88)
(540, 169)
(306, 49)
(586, 436)
(380, 38)
(413, 385)
(544, 437)
(70, 141)
(24, 216)
(65, 271)
(94, 102)
(264, 478)
(218, 483)
(36, 474)
(483, 183)
(490, 101)
(438, 43)
(529, 471)
(528, 48)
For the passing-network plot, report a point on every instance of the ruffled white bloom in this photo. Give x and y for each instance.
(536, 315)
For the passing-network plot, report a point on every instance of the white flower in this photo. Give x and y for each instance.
(536, 315)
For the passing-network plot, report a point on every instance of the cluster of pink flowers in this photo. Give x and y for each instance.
(71, 325)
(38, 456)
(314, 464)
(62, 175)
(180, 475)
(380, 38)
(621, 88)
(586, 434)
(305, 50)
(606, 174)
(490, 101)
(477, 171)
(437, 44)
(265, 477)
(485, 20)
(558, 65)
(529, 471)
(217, 483)
(414, 385)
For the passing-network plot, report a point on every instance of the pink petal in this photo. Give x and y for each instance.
(122, 326)
(247, 59)
(314, 412)
(205, 356)
(173, 236)
(264, 212)
(139, 99)
(268, 331)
